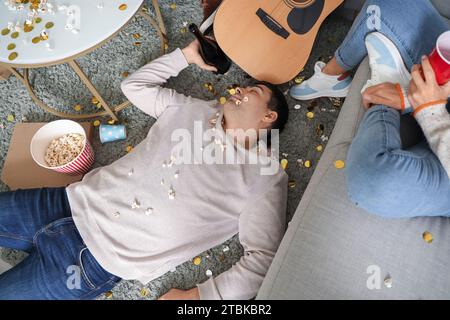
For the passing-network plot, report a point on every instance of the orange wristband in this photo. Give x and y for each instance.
(427, 105)
(402, 97)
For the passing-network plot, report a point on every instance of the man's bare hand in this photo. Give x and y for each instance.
(385, 94)
(424, 87)
(192, 54)
(176, 294)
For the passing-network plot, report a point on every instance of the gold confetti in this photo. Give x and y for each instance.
(108, 295)
(173, 6)
(292, 184)
(125, 74)
(232, 91)
(49, 25)
(144, 292)
(123, 7)
(15, 35)
(223, 100)
(197, 261)
(129, 149)
(38, 20)
(10, 118)
(28, 28)
(299, 80)
(310, 115)
(77, 107)
(95, 101)
(183, 30)
(427, 237)
(319, 148)
(96, 123)
(339, 164)
(307, 164)
(5, 31)
(137, 35)
(137, 43)
(36, 40)
(11, 46)
(111, 122)
(13, 56)
(284, 164)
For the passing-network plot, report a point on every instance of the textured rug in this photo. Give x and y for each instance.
(58, 86)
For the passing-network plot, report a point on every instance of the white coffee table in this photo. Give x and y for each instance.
(79, 27)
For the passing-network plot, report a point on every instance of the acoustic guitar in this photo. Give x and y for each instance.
(271, 40)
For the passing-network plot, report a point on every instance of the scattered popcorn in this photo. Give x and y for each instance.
(64, 149)
(388, 282)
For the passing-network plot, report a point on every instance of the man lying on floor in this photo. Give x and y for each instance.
(383, 177)
(161, 204)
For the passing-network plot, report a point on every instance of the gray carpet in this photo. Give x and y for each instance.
(59, 86)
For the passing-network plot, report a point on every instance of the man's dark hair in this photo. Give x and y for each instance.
(278, 104)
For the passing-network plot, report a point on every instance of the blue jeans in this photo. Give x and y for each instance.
(59, 265)
(382, 177)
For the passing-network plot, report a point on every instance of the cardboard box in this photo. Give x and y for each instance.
(4, 73)
(21, 172)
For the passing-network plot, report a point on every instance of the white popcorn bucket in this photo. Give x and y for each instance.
(56, 129)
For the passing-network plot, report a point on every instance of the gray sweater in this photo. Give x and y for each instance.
(435, 123)
(147, 213)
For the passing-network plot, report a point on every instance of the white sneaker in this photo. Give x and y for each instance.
(386, 62)
(322, 85)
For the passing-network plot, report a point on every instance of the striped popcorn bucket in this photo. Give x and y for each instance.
(56, 129)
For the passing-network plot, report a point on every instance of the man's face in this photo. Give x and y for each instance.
(248, 109)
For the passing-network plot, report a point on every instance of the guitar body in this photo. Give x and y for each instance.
(271, 40)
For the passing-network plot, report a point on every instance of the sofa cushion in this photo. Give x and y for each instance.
(331, 244)
(443, 6)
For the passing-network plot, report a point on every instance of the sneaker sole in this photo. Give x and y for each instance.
(329, 94)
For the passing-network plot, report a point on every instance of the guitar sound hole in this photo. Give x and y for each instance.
(298, 3)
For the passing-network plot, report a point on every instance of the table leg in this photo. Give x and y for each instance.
(26, 82)
(159, 16)
(92, 88)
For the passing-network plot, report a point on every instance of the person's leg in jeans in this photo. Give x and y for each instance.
(385, 180)
(59, 265)
(24, 212)
(413, 26)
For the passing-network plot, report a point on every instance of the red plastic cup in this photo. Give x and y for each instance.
(440, 59)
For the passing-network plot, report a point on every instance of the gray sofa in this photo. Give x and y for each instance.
(333, 250)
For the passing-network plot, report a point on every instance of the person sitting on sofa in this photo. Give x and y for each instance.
(382, 177)
(159, 206)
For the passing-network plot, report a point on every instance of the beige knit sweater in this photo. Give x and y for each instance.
(435, 123)
(149, 212)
